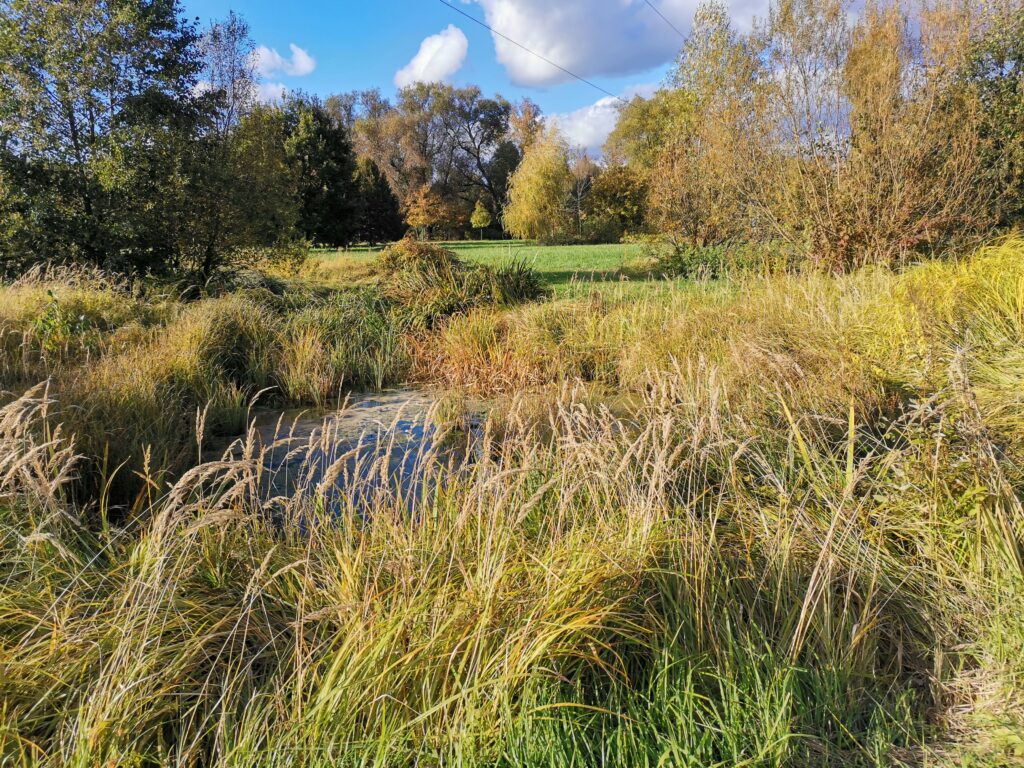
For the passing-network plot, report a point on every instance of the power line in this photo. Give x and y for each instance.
(475, 20)
(663, 18)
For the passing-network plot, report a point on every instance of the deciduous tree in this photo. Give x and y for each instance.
(481, 218)
(539, 192)
(87, 88)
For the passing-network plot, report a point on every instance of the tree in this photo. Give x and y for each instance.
(697, 184)
(87, 89)
(425, 211)
(481, 218)
(539, 192)
(645, 126)
(380, 218)
(583, 171)
(456, 140)
(526, 124)
(321, 157)
(267, 205)
(482, 158)
(619, 196)
(875, 150)
(995, 74)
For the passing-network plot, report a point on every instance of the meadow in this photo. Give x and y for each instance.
(761, 521)
(562, 267)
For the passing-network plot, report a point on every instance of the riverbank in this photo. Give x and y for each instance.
(796, 541)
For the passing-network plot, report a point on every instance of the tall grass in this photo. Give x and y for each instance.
(802, 546)
(135, 379)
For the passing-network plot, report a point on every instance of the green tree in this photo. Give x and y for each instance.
(481, 218)
(619, 196)
(645, 126)
(995, 73)
(320, 154)
(240, 192)
(539, 192)
(267, 204)
(380, 216)
(88, 89)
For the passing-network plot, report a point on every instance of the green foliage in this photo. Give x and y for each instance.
(56, 327)
(266, 206)
(646, 125)
(995, 73)
(380, 217)
(619, 196)
(320, 154)
(481, 218)
(95, 97)
(713, 262)
(539, 193)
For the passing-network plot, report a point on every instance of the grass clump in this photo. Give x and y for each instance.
(431, 283)
(351, 339)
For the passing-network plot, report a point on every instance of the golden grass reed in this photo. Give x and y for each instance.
(801, 545)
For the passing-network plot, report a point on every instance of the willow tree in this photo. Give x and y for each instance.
(540, 191)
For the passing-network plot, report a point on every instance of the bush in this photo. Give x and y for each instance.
(712, 262)
(416, 255)
(431, 283)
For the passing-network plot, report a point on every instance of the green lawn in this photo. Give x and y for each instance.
(565, 268)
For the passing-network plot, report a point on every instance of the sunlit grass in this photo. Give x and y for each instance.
(560, 266)
(796, 539)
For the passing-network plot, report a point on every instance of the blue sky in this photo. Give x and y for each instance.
(621, 45)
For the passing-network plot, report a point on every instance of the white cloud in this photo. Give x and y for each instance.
(588, 128)
(270, 63)
(440, 56)
(593, 37)
(271, 93)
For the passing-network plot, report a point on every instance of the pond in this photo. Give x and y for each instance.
(392, 447)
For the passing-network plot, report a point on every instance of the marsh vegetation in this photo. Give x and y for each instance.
(722, 467)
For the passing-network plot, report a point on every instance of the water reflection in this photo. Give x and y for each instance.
(387, 448)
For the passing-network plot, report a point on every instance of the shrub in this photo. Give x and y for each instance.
(412, 254)
(431, 283)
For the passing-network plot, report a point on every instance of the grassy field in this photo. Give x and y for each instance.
(776, 522)
(560, 266)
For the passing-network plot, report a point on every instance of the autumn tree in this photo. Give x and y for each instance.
(481, 218)
(525, 124)
(875, 149)
(456, 140)
(697, 182)
(425, 211)
(540, 190)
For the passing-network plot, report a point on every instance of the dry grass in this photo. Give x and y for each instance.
(801, 545)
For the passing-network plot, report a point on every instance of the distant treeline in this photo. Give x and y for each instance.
(847, 135)
(133, 140)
